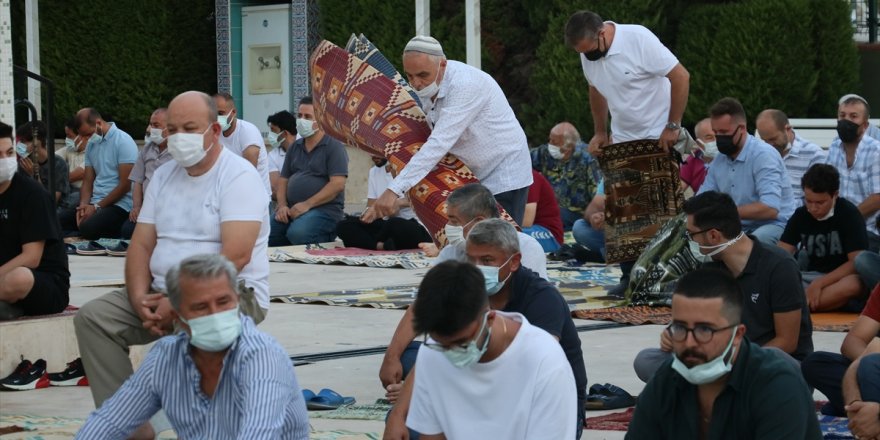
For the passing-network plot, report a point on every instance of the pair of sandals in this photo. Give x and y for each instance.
(326, 399)
(116, 248)
(607, 396)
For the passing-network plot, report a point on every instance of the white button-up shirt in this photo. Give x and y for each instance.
(472, 120)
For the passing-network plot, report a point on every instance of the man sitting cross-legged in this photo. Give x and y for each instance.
(484, 373)
(861, 391)
(493, 246)
(830, 232)
(209, 201)
(774, 307)
(718, 384)
(824, 370)
(220, 378)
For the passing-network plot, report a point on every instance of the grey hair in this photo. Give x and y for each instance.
(473, 200)
(497, 233)
(200, 267)
(572, 136)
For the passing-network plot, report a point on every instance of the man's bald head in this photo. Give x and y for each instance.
(566, 132)
(703, 128)
(192, 105)
(776, 117)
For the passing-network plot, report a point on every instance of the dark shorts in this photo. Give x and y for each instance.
(49, 295)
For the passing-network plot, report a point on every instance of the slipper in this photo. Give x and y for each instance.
(328, 399)
(308, 394)
(90, 248)
(70, 248)
(118, 250)
(607, 396)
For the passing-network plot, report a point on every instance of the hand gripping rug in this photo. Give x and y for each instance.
(642, 193)
(361, 100)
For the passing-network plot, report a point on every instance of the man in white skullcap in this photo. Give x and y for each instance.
(472, 120)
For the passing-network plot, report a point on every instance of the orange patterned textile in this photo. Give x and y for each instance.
(362, 106)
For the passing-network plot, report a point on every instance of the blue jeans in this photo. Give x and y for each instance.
(569, 217)
(868, 267)
(585, 235)
(315, 226)
(824, 371)
(868, 376)
(768, 234)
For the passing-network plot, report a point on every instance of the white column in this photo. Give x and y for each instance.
(32, 32)
(423, 17)
(7, 100)
(472, 31)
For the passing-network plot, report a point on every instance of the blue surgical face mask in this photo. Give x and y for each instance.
(214, 332)
(21, 149)
(305, 127)
(70, 143)
(490, 273)
(274, 139)
(710, 371)
(465, 357)
(225, 120)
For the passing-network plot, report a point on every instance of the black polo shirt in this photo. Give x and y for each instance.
(771, 283)
(544, 307)
(765, 398)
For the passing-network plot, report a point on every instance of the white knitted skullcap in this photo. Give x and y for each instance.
(851, 96)
(425, 44)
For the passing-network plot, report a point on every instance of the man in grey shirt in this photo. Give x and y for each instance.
(152, 156)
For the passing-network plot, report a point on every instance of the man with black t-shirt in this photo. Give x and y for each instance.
(34, 279)
(830, 232)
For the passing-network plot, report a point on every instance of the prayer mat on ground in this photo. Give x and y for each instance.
(642, 192)
(639, 315)
(29, 427)
(665, 259)
(372, 411)
(327, 253)
(359, 103)
(583, 287)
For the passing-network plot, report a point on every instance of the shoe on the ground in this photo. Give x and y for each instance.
(619, 291)
(90, 248)
(27, 376)
(73, 376)
(10, 311)
(118, 249)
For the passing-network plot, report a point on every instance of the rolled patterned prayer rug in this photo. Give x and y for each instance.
(642, 193)
(373, 109)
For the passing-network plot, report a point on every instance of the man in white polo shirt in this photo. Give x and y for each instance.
(241, 137)
(633, 76)
(471, 119)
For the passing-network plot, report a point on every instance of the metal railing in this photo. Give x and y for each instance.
(864, 16)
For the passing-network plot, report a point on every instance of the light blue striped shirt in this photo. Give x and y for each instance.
(756, 175)
(800, 158)
(257, 394)
(862, 179)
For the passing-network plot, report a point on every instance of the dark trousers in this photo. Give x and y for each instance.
(127, 229)
(514, 202)
(105, 223)
(394, 233)
(824, 372)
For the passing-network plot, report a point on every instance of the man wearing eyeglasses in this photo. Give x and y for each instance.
(774, 307)
(718, 384)
(483, 373)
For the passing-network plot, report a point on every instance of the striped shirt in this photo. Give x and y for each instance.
(257, 395)
(862, 179)
(800, 158)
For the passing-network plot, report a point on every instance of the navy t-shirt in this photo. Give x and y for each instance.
(309, 171)
(828, 242)
(544, 307)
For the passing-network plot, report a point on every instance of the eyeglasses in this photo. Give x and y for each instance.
(458, 347)
(702, 333)
(690, 235)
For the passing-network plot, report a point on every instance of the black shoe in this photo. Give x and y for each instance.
(619, 291)
(74, 375)
(10, 311)
(26, 376)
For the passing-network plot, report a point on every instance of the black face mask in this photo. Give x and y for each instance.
(725, 143)
(847, 130)
(595, 54)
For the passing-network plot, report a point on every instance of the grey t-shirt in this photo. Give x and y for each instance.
(308, 172)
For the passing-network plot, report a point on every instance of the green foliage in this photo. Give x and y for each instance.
(124, 57)
(761, 53)
(837, 58)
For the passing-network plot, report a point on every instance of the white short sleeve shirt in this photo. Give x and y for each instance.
(245, 135)
(632, 78)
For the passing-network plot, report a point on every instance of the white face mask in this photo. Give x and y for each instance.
(156, 136)
(555, 151)
(225, 121)
(718, 248)
(709, 148)
(8, 166)
(305, 127)
(70, 143)
(274, 139)
(454, 234)
(428, 92)
(188, 148)
(710, 371)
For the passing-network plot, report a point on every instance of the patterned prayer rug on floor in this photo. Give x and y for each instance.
(373, 411)
(359, 103)
(30, 427)
(583, 287)
(639, 315)
(642, 192)
(327, 253)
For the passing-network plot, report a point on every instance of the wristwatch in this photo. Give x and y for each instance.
(672, 126)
